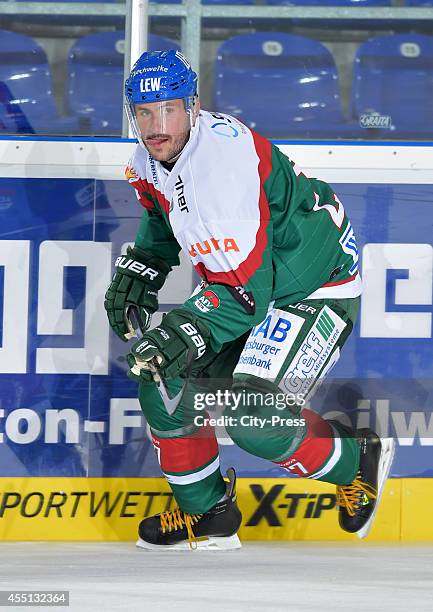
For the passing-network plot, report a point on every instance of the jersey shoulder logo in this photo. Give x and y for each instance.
(130, 174)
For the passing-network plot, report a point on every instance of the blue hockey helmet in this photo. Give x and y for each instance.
(157, 77)
(160, 75)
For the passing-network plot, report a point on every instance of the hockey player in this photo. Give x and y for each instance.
(279, 297)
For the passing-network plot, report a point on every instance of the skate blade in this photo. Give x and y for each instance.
(212, 543)
(385, 463)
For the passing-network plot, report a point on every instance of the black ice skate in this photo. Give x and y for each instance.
(176, 530)
(359, 501)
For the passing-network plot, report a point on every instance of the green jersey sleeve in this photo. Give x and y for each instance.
(155, 237)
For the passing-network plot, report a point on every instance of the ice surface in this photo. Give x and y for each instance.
(289, 576)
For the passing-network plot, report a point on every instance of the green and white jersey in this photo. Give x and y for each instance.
(256, 229)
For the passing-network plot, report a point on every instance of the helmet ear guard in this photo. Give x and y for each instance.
(192, 108)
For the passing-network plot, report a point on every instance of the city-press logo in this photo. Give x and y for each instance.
(375, 120)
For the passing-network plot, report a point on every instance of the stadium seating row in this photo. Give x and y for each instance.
(282, 2)
(283, 85)
(287, 84)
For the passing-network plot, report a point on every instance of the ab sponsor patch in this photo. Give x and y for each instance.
(318, 345)
(269, 344)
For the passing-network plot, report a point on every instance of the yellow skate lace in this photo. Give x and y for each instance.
(350, 496)
(176, 519)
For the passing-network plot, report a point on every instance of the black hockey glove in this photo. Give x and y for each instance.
(136, 282)
(178, 340)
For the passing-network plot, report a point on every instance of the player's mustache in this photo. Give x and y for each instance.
(157, 136)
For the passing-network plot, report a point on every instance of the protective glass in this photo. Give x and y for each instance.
(157, 121)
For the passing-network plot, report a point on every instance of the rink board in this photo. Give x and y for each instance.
(97, 509)
(66, 405)
(69, 417)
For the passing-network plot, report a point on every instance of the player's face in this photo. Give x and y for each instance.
(164, 127)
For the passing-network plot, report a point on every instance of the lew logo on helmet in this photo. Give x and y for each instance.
(150, 84)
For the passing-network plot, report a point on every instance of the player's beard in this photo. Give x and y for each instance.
(169, 149)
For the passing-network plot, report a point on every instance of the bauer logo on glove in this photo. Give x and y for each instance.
(180, 339)
(136, 266)
(139, 275)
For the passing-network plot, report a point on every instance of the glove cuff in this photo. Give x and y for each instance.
(179, 339)
(183, 314)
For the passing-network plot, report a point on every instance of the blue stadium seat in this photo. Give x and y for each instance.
(95, 87)
(330, 2)
(419, 3)
(392, 89)
(279, 84)
(27, 104)
(229, 2)
(57, 1)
